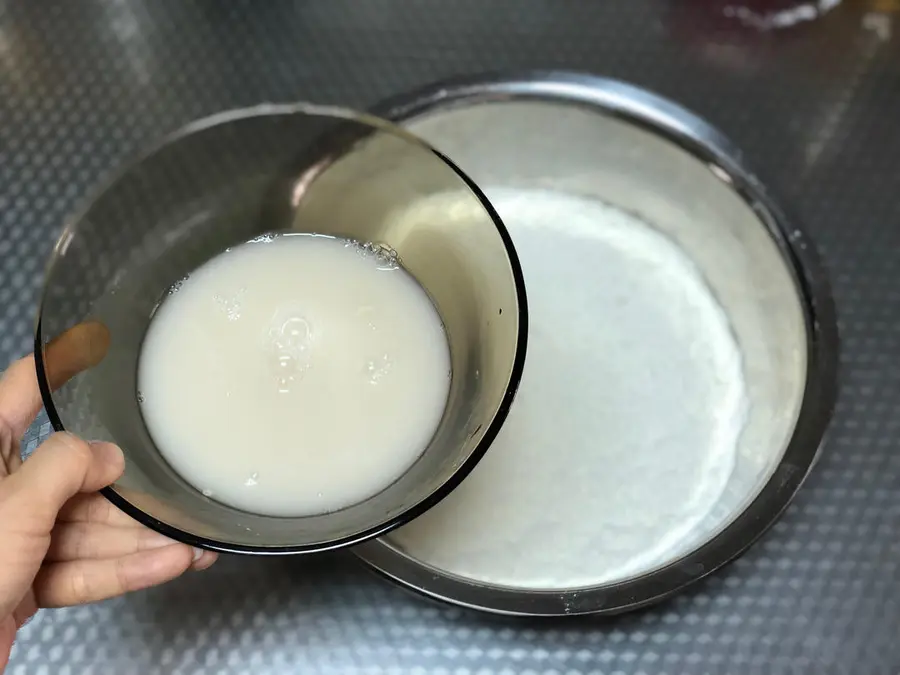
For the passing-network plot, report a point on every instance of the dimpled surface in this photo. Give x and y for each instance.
(814, 106)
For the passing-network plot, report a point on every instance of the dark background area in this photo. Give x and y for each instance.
(816, 108)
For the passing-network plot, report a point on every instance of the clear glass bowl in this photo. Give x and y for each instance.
(222, 181)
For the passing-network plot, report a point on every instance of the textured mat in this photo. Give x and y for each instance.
(815, 105)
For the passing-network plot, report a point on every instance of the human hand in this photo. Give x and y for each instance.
(61, 543)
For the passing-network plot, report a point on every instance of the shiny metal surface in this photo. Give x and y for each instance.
(813, 106)
(224, 180)
(585, 136)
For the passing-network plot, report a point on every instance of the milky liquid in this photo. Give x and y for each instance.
(294, 375)
(624, 433)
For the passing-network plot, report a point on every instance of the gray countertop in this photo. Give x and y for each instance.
(816, 108)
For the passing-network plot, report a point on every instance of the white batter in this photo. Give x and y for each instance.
(294, 375)
(625, 428)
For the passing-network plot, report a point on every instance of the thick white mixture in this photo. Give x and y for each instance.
(624, 432)
(279, 377)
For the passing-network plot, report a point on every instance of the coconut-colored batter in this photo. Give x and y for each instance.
(280, 376)
(625, 429)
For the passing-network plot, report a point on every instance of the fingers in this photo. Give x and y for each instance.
(94, 508)
(20, 398)
(63, 584)
(203, 560)
(79, 348)
(89, 526)
(59, 469)
(91, 541)
(25, 611)
(7, 637)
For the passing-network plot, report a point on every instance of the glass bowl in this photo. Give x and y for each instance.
(224, 180)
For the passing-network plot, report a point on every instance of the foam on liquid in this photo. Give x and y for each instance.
(294, 375)
(624, 432)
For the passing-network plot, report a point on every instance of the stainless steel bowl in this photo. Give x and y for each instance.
(222, 181)
(600, 139)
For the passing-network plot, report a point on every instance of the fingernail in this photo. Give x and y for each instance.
(108, 451)
(106, 446)
(198, 553)
(205, 562)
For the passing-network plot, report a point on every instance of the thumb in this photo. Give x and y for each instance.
(60, 468)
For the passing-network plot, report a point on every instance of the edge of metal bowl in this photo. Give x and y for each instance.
(109, 181)
(694, 135)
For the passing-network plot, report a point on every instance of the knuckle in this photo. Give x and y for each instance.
(79, 587)
(79, 541)
(98, 510)
(67, 541)
(9, 447)
(78, 450)
(73, 442)
(123, 582)
(144, 540)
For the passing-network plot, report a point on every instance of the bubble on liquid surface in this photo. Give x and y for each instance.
(230, 306)
(140, 397)
(267, 238)
(385, 256)
(252, 480)
(295, 333)
(377, 369)
(289, 340)
(366, 311)
(388, 259)
(174, 288)
(286, 372)
(207, 493)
